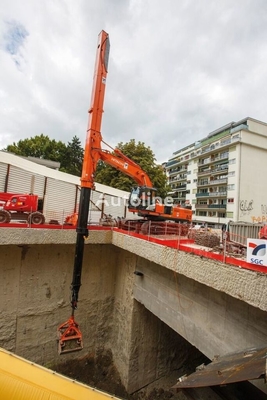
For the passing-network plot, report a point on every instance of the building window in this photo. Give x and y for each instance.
(225, 141)
(231, 173)
(230, 200)
(224, 154)
(231, 187)
(202, 213)
(232, 161)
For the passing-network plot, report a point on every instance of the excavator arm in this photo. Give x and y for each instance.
(69, 334)
(70, 337)
(125, 165)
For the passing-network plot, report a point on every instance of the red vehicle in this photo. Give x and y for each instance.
(21, 207)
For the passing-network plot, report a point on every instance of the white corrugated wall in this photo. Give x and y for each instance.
(19, 180)
(3, 172)
(58, 190)
(59, 200)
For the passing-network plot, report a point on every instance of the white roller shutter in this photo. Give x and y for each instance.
(59, 200)
(114, 206)
(37, 185)
(107, 204)
(96, 200)
(3, 172)
(19, 180)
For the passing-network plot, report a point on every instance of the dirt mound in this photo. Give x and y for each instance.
(99, 371)
(96, 371)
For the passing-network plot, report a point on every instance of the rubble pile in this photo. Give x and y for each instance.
(206, 238)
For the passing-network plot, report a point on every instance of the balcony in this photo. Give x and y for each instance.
(218, 194)
(169, 163)
(182, 178)
(201, 206)
(202, 194)
(206, 183)
(217, 206)
(217, 181)
(205, 172)
(201, 163)
(219, 168)
(212, 160)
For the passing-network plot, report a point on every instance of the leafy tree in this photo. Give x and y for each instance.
(72, 160)
(41, 146)
(144, 157)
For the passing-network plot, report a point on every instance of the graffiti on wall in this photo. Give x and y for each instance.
(260, 218)
(246, 206)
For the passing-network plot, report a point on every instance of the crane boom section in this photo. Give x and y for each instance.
(93, 151)
(93, 137)
(124, 164)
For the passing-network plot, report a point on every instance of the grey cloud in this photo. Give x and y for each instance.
(175, 73)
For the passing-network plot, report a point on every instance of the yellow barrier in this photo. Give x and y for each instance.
(21, 379)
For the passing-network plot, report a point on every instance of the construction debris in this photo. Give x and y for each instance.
(204, 237)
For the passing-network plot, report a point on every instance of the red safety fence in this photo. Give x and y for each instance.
(205, 242)
(209, 243)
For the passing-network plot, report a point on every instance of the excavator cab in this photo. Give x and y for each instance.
(141, 198)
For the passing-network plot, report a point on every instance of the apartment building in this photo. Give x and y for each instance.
(222, 176)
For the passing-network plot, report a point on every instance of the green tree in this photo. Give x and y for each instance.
(70, 157)
(40, 147)
(144, 157)
(73, 158)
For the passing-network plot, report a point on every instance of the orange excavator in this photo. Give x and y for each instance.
(142, 200)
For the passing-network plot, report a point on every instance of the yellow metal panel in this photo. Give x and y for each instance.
(22, 380)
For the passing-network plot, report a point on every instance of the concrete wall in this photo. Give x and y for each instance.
(217, 307)
(214, 322)
(248, 286)
(144, 348)
(35, 280)
(35, 298)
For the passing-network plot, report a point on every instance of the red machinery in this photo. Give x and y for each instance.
(142, 199)
(70, 336)
(21, 207)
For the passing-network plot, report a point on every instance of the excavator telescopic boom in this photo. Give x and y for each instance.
(70, 336)
(141, 197)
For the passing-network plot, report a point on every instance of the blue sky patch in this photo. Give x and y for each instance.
(14, 37)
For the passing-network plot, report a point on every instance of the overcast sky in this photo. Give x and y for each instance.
(178, 69)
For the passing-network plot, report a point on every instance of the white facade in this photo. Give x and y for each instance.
(58, 190)
(224, 174)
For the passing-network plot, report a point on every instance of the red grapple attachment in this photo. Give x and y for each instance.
(70, 337)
